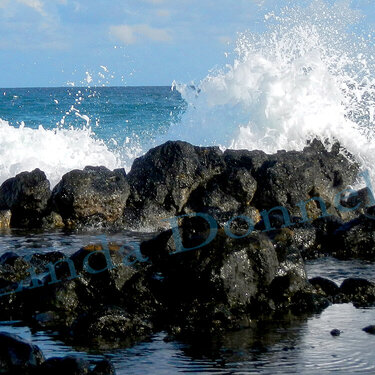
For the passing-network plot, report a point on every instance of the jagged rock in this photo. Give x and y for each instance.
(162, 180)
(26, 195)
(39, 261)
(93, 275)
(94, 196)
(359, 201)
(225, 196)
(287, 178)
(17, 356)
(228, 281)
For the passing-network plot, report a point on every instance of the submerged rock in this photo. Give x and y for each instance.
(369, 329)
(325, 286)
(359, 291)
(75, 366)
(335, 332)
(104, 367)
(110, 327)
(66, 365)
(18, 356)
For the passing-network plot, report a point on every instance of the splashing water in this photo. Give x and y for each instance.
(310, 74)
(54, 151)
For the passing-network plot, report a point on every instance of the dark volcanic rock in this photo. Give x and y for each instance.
(18, 356)
(94, 196)
(225, 196)
(104, 367)
(287, 178)
(110, 327)
(335, 332)
(359, 291)
(66, 365)
(325, 286)
(13, 267)
(228, 281)
(326, 238)
(359, 200)
(356, 239)
(5, 216)
(162, 180)
(369, 329)
(94, 276)
(26, 195)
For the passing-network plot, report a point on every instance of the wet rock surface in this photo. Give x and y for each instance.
(178, 178)
(26, 196)
(162, 181)
(241, 259)
(229, 281)
(93, 196)
(360, 292)
(18, 356)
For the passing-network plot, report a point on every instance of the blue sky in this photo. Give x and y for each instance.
(122, 42)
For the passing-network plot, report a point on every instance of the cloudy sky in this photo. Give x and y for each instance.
(121, 42)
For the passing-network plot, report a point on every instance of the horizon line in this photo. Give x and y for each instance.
(80, 87)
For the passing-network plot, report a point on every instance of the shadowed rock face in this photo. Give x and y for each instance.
(228, 282)
(18, 356)
(26, 195)
(94, 196)
(178, 178)
(239, 275)
(286, 178)
(162, 180)
(356, 239)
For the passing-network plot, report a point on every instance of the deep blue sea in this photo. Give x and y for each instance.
(59, 129)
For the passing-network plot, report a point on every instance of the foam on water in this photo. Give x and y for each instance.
(311, 73)
(53, 151)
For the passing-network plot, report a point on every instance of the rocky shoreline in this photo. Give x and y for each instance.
(297, 205)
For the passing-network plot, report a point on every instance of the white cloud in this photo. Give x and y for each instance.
(34, 4)
(132, 34)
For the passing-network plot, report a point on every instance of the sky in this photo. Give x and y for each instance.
(123, 42)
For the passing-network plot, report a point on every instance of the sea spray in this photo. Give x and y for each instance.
(53, 151)
(311, 73)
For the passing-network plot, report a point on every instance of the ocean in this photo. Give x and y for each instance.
(307, 75)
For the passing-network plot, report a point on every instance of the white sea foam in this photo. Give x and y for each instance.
(53, 151)
(306, 76)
